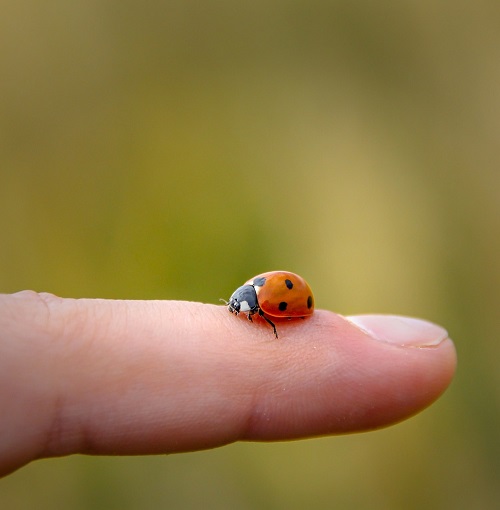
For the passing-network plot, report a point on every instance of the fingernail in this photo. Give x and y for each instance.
(404, 331)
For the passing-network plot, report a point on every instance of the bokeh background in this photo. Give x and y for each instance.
(171, 150)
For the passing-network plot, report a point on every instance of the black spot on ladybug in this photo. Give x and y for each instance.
(282, 306)
(288, 283)
(259, 282)
(309, 302)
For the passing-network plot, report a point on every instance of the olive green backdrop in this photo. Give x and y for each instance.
(171, 150)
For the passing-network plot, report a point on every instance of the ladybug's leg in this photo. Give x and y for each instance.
(261, 313)
(251, 312)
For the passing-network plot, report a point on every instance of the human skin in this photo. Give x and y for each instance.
(108, 377)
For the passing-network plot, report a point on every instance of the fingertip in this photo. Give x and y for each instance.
(400, 330)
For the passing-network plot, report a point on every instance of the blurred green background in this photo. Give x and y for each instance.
(171, 150)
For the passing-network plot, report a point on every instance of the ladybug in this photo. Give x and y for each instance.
(274, 294)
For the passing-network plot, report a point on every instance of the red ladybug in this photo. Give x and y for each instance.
(273, 294)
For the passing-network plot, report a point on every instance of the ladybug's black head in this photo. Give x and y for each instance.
(243, 299)
(234, 305)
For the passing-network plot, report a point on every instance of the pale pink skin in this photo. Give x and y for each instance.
(143, 377)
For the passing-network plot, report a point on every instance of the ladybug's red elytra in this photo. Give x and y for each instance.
(274, 294)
